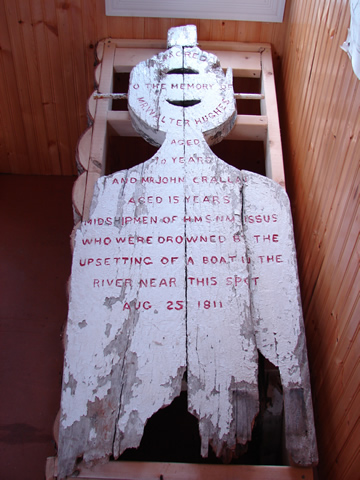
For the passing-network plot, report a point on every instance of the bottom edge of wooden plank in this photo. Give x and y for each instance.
(125, 470)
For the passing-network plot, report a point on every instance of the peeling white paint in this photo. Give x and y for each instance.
(186, 264)
(352, 43)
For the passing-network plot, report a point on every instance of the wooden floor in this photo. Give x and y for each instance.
(36, 220)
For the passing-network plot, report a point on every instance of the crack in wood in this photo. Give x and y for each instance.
(220, 285)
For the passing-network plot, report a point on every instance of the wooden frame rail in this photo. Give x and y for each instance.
(181, 471)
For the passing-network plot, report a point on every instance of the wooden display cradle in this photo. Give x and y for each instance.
(248, 61)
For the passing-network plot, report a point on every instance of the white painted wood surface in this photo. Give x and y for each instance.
(255, 11)
(186, 264)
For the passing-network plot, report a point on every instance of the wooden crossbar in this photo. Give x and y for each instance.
(181, 471)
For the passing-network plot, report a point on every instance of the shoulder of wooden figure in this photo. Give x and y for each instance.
(264, 187)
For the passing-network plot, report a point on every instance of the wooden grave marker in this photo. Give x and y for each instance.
(185, 265)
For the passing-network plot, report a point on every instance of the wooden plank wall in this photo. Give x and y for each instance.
(46, 76)
(321, 123)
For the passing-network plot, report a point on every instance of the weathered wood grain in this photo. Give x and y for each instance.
(183, 264)
(276, 307)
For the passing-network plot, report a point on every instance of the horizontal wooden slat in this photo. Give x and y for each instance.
(244, 64)
(120, 122)
(207, 45)
(127, 58)
(176, 471)
(247, 127)
(180, 471)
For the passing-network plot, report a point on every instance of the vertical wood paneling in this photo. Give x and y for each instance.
(90, 35)
(22, 90)
(46, 89)
(33, 97)
(53, 56)
(321, 123)
(79, 59)
(325, 130)
(70, 71)
(13, 149)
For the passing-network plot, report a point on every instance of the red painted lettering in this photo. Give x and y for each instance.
(178, 305)
(136, 305)
(203, 282)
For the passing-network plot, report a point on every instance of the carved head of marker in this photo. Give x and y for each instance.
(180, 90)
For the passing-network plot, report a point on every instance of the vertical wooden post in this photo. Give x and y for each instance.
(274, 159)
(99, 135)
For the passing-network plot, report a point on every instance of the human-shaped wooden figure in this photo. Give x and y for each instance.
(186, 265)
